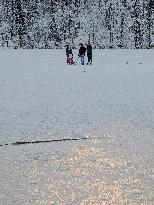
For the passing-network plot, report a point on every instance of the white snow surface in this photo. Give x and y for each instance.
(111, 103)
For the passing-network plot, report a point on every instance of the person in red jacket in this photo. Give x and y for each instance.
(69, 55)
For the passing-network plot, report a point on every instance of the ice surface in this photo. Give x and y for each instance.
(41, 96)
(111, 104)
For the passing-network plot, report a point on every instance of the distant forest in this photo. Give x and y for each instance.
(55, 23)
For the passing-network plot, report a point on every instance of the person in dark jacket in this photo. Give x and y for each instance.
(67, 49)
(89, 53)
(82, 52)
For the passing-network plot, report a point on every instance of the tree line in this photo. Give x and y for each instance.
(54, 23)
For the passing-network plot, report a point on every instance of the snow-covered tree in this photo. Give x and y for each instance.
(54, 23)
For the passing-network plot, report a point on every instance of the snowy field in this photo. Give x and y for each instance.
(107, 109)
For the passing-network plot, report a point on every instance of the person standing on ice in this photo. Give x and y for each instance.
(82, 52)
(67, 51)
(69, 55)
(67, 48)
(89, 53)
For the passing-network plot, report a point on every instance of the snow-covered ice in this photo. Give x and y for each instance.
(111, 104)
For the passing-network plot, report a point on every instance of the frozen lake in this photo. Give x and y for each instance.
(107, 108)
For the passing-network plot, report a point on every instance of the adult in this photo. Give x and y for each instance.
(67, 48)
(89, 53)
(82, 52)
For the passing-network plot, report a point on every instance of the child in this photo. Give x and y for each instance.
(69, 56)
(70, 59)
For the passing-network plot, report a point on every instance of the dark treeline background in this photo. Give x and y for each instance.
(53, 23)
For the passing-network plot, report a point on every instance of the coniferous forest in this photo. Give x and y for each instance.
(54, 23)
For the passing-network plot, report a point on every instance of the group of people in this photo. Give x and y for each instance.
(81, 54)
